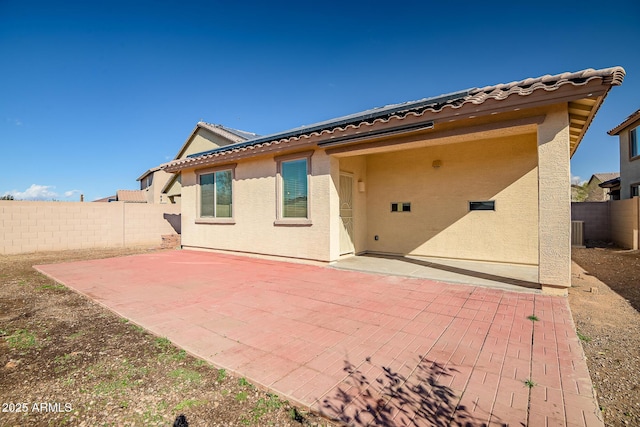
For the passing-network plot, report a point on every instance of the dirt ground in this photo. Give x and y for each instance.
(65, 360)
(607, 317)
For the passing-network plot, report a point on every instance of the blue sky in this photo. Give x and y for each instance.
(94, 93)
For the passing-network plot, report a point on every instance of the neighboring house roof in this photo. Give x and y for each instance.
(627, 122)
(233, 135)
(224, 131)
(602, 177)
(131, 196)
(106, 199)
(521, 94)
(612, 183)
(148, 172)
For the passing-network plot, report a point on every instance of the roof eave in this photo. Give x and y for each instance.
(628, 122)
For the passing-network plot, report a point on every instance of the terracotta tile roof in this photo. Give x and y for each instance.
(602, 177)
(627, 122)
(516, 92)
(131, 196)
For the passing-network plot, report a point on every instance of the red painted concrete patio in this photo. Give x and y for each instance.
(362, 348)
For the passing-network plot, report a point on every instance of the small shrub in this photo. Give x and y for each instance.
(222, 374)
(529, 383)
(533, 318)
(242, 396)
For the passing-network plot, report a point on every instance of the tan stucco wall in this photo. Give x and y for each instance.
(629, 169)
(440, 223)
(554, 199)
(254, 206)
(51, 226)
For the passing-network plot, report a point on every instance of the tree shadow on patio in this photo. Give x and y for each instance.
(378, 396)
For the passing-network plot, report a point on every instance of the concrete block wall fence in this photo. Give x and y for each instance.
(625, 222)
(596, 218)
(49, 226)
(616, 221)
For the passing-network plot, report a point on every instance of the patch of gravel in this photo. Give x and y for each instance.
(604, 300)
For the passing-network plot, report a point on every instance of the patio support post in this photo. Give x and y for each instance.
(554, 202)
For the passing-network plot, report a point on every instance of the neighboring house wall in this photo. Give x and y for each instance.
(153, 192)
(596, 218)
(203, 140)
(625, 222)
(50, 226)
(596, 193)
(629, 167)
(174, 188)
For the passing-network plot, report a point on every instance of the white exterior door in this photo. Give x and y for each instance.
(346, 214)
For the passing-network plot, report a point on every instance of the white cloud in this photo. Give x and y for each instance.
(35, 192)
(40, 192)
(71, 193)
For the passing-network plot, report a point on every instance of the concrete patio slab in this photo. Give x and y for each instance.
(365, 349)
(510, 277)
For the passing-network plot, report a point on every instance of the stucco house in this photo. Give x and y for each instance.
(597, 192)
(612, 186)
(628, 132)
(162, 187)
(151, 184)
(481, 174)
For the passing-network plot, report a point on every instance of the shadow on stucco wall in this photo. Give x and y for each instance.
(175, 221)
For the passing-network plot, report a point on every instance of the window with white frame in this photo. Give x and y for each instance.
(216, 194)
(633, 143)
(635, 190)
(293, 189)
